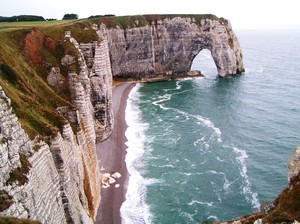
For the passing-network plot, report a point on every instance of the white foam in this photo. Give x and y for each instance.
(210, 124)
(219, 159)
(241, 159)
(212, 217)
(210, 204)
(162, 99)
(188, 216)
(226, 185)
(178, 86)
(167, 166)
(203, 121)
(134, 209)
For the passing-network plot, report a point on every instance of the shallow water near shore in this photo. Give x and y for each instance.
(210, 148)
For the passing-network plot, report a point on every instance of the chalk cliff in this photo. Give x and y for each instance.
(169, 45)
(56, 179)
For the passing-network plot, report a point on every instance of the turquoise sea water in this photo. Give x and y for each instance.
(211, 148)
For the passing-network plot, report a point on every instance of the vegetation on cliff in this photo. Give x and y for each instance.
(27, 56)
(287, 204)
(125, 22)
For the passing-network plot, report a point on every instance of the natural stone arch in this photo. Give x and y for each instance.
(169, 46)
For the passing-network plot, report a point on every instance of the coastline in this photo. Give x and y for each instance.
(111, 153)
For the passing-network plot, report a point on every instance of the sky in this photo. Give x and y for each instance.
(241, 13)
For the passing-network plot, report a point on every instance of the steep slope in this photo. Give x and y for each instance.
(54, 107)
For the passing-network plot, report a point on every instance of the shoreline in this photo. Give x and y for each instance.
(111, 153)
(160, 78)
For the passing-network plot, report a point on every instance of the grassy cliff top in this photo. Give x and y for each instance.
(143, 20)
(27, 56)
(110, 21)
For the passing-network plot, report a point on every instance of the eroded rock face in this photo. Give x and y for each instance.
(169, 47)
(63, 182)
(294, 164)
(96, 56)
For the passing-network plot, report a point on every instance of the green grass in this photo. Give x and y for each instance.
(32, 99)
(125, 22)
(35, 23)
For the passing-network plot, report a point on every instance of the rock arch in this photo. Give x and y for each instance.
(169, 47)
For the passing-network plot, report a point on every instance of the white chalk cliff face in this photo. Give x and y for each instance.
(169, 46)
(53, 189)
(59, 181)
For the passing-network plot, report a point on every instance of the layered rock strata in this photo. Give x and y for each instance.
(59, 181)
(168, 47)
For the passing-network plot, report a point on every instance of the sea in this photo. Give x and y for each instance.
(213, 149)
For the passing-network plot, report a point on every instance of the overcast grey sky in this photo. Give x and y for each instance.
(242, 13)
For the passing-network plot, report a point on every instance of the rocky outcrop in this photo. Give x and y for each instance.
(92, 87)
(168, 47)
(294, 164)
(99, 69)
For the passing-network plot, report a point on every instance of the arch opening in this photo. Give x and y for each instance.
(205, 63)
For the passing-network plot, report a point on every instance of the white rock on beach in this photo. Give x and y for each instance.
(111, 180)
(116, 175)
(106, 175)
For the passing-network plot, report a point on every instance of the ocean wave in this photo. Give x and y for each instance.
(226, 185)
(212, 217)
(134, 209)
(178, 86)
(209, 204)
(202, 120)
(241, 159)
